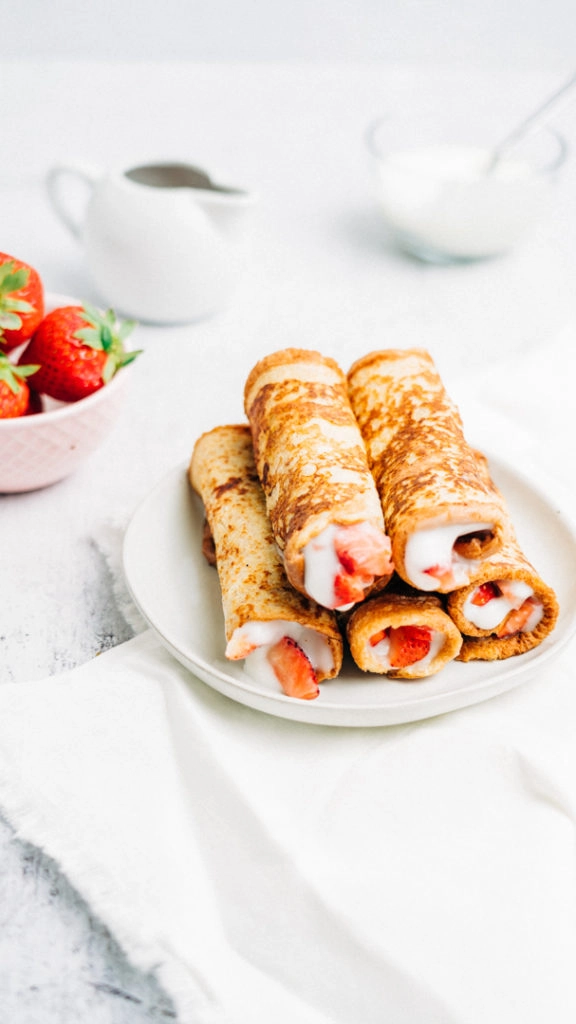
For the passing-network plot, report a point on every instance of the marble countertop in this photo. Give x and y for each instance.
(323, 275)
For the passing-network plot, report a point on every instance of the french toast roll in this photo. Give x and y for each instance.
(321, 497)
(442, 514)
(506, 609)
(403, 635)
(282, 635)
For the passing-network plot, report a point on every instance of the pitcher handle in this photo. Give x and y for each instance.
(55, 184)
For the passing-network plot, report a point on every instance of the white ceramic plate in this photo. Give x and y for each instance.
(178, 594)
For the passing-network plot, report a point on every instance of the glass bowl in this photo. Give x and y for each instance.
(439, 198)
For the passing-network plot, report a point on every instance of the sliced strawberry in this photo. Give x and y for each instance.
(517, 619)
(443, 574)
(484, 593)
(293, 669)
(349, 589)
(377, 637)
(363, 550)
(408, 644)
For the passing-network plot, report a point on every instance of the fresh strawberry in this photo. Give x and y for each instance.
(16, 399)
(408, 644)
(21, 302)
(516, 621)
(376, 638)
(363, 550)
(349, 589)
(442, 574)
(79, 350)
(293, 669)
(363, 553)
(485, 592)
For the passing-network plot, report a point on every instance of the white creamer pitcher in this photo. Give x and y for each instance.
(163, 242)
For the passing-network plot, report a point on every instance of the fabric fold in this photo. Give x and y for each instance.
(270, 870)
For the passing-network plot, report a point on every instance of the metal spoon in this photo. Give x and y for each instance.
(531, 124)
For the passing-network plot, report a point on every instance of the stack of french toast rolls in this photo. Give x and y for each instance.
(350, 511)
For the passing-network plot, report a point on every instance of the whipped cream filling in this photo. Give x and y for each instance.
(381, 651)
(253, 640)
(430, 557)
(322, 565)
(512, 595)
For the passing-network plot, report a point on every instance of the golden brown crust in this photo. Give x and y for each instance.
(208, 549)
(425, 471)
(252, 578)
(317, 366)
(498, 649)
(391, 610)
(309, 452)
(483, 644)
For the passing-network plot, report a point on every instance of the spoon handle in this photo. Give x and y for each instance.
(531, 123)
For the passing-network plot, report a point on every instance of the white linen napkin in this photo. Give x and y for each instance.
(273, 872)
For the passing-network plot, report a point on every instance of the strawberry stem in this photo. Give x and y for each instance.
(12, 281)
(108, 334)
(14, 375)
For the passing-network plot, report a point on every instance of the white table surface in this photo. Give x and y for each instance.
(322, 275)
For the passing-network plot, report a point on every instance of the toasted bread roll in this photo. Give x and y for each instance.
(264, 616)
(441, 513)
(506, 610)
(402, 635)
(320, 495)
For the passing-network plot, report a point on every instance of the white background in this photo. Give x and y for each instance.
(58, 963)
(498, 33)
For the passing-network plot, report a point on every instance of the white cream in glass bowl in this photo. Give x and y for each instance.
(442, 200)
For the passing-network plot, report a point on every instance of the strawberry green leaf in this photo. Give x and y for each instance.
(28, 370)
(107, 338)
(93, 315)
(6, 270)
(12, 280)
(126, 327)
(110, 367)
(14, 375)
(107, 333)
(129, 357)
(10, 321)
(18, 305)
(90, 336)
